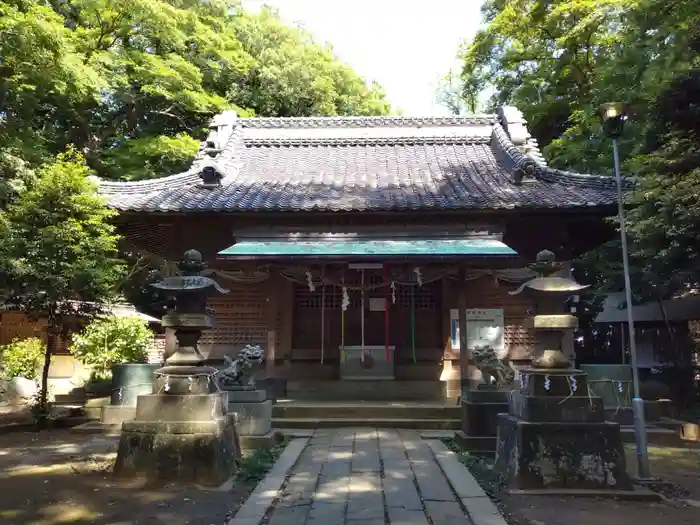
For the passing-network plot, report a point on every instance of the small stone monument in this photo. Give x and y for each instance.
(251, 406)
(183, 431)
(481, 406)
(555, 435)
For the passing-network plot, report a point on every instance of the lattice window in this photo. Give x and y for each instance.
(306, 299)
(241, 317)
(424, 297)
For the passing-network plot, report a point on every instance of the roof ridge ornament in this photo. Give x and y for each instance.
(366, 121)
(519, 164)
(211, 174)
(513, 121)
(221, 128)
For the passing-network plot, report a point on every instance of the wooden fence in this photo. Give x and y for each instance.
(15, 325)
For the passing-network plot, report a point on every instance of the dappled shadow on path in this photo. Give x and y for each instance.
(59, 478)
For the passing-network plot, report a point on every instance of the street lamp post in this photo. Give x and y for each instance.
(613, 116)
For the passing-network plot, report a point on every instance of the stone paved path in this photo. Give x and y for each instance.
(366, 477)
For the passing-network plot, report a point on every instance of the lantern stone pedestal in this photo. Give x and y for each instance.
(554, 435)
(182, 432)
(480, 410)
(253, 416)
(556, 438)
(188, 438)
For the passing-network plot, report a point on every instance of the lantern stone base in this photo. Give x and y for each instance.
(184, 438)
(200, 452)
(539, 455)
(555, 436)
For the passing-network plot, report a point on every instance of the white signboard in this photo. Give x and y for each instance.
(483, 325)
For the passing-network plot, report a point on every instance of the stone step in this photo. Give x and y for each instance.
(69, 399)
(366, 390)
(387, 410)
(423, 424)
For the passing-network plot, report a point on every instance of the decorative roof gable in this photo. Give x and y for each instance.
(365, 163)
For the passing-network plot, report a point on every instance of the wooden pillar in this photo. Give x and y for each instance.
(462, 323)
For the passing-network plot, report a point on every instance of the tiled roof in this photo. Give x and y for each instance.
(365, 163)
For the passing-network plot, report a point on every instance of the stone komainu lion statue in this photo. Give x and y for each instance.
(236, 371)
(492, 368)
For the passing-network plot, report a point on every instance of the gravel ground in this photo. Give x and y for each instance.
(57, 477)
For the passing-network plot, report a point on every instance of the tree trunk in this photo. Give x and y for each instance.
(43, 408)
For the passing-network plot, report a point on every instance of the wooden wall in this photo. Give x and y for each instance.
(247, 314)
(293, 313)
(15, 325)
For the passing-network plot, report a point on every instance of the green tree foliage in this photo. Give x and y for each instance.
(58, 250)
(21, 358)
(109, 341)
(130, 83)
(544, 57)
(293, 76)
(558, 60)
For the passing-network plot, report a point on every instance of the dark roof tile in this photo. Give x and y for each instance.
(363, 163)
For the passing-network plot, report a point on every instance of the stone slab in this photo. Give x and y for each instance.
(254, 419)
(560, 409)
(551, 321)
(117, 414)
(262, 498)
(180, 407)
(431, 482)
(178, 427)
(365, 499)
(269, 440)
(479, 507)
(482, 511)
(554, 382)
(459, 477)
(289, 516)
(398, 516)
(245, 396)
(446, 513)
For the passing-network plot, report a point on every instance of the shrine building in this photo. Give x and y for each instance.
(350, 245)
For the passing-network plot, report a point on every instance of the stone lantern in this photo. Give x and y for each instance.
(554, 435)
(551, 321)
(183, 431)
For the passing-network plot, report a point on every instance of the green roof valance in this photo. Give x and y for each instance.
(367, 248)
